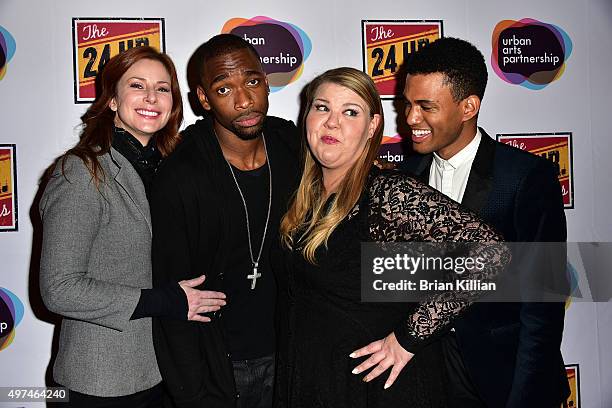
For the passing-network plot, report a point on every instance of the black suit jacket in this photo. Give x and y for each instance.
(512, 350)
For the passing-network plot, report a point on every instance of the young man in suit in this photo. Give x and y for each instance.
(497, 354)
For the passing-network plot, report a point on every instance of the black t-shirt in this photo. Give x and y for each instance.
(249, 329)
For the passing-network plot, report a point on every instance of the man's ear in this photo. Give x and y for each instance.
(267, 85)
(471, 107)
(203, 98)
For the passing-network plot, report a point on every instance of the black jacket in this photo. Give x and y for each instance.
(512, 350)
(194, 204)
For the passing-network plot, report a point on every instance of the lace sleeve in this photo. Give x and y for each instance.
(403, 209)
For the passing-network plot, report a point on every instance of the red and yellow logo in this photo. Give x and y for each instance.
(573, 377)
(8, 196)
(555, 147)
(98, 40)
(386, 44)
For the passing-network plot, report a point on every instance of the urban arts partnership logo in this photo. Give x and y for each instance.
(7, 50)
(529, 52)
(574, 288)
(283, 47)
(11, 313)
(390, 152)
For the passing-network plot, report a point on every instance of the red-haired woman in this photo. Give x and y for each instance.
(96, 255)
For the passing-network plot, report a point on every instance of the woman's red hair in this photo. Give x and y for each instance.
(97, 135)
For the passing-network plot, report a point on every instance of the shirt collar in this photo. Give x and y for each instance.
(462, 156)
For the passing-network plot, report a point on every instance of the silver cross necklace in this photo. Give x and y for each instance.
(254, 261)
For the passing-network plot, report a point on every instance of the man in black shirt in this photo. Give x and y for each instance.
(216, 206)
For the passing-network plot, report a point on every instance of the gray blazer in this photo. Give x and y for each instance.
(96, 256)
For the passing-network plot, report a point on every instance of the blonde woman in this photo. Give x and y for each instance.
(342, 201)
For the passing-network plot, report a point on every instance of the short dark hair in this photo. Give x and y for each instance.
(221, 44)
(462, 64)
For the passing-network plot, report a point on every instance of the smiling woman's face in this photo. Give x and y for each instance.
(143, 101)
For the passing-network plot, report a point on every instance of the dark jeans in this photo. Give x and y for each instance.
(255, 382)
(462, 392)
(151, 398)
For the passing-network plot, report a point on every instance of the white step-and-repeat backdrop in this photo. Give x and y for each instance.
(549, 92)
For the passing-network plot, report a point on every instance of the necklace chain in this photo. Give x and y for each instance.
(254, 261)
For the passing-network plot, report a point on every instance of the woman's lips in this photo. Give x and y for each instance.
(149, 114)
(329, 140)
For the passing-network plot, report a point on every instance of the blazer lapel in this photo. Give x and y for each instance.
(480, 181)
(127, 180)
(421, 172)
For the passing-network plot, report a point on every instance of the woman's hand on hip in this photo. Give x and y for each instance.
(385, 353)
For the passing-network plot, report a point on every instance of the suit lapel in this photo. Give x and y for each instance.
(480, 181)
(127, 180)
(421, 172)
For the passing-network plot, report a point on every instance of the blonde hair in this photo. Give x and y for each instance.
(307, 216)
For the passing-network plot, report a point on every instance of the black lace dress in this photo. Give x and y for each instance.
(325, 320)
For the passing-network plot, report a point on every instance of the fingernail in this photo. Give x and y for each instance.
(387, 386)
(352, 355)
(355, 371)
(366, 379)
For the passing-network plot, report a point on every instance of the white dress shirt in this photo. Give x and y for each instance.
(450, 176)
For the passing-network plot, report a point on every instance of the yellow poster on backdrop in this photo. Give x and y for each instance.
(96, 41)
(8, 188)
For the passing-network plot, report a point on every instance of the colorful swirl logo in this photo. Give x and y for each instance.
(529, 52)
(283, 47)
(574, 289)
(7, 50)
(11, 313)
